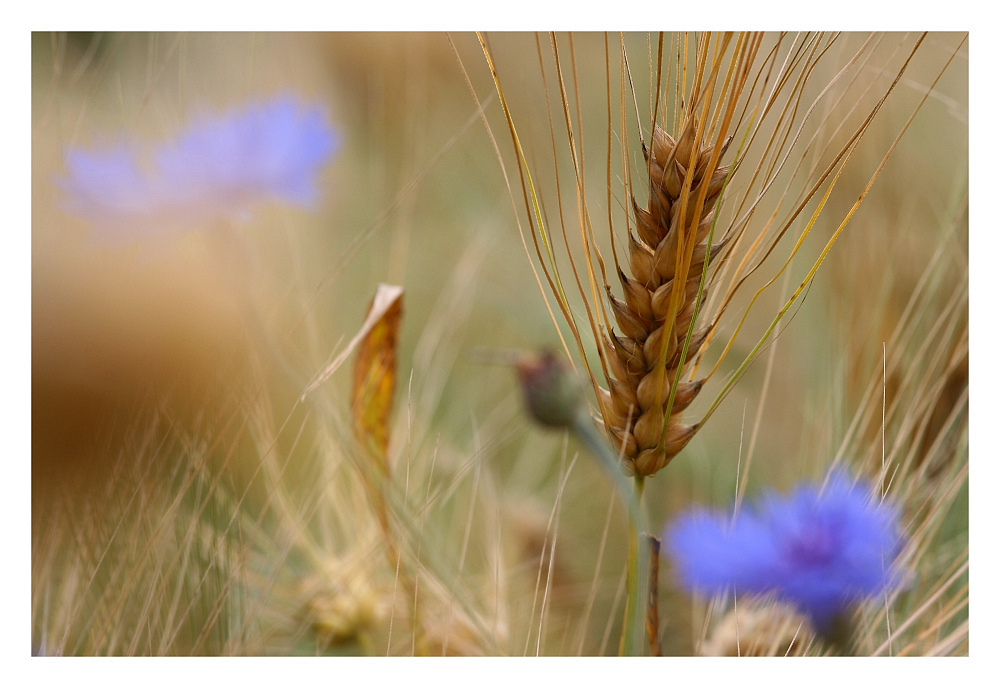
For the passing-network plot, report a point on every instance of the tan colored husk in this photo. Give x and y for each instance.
(646, 394)
(342, 604)
(759, 630)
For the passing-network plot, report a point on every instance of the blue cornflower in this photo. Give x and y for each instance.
(819, 549)
(219, 168)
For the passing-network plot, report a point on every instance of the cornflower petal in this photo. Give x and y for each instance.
(221, 167)
(821, 550)
(106, 185)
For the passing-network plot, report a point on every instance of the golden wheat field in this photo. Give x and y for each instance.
(238, 448)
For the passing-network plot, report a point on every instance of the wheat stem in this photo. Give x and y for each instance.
(634, 635)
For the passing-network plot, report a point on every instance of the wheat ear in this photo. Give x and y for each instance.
(668, 254)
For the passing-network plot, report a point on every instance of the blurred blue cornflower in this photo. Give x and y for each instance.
(818, 549)
(220, 167)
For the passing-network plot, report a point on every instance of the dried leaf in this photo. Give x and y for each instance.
(386, 296)
(375, 372)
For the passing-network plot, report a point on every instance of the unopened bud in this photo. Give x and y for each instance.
(552, 393)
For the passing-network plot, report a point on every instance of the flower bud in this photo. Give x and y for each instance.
(552, 393)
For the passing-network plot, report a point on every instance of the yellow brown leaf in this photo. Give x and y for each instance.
(375, 368)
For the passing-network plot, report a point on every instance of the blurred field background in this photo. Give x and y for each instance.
(184, 499)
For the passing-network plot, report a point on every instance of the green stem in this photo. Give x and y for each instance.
(634, 636)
